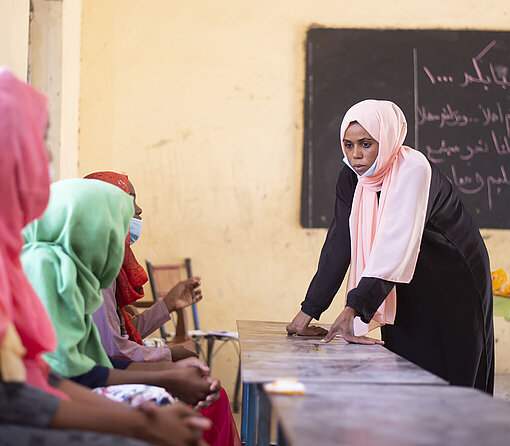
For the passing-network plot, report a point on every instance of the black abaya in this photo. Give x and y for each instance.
(444, 315)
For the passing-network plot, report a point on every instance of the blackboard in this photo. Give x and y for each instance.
(453, 87)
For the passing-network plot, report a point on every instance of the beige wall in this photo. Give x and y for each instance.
(45, 66)
(55, 57)
(200, 102)
(14, 19)
(70, 100)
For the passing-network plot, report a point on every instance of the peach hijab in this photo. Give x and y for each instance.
(386, 232)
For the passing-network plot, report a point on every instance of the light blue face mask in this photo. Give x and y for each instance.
(135, 229)
(369, 172)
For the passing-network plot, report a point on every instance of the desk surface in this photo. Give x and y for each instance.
(267, 353)
(392, 415)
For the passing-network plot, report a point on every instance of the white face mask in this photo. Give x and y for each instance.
(135, 229)
(369, 172)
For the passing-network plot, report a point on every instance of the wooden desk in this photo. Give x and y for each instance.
(267, 353)
(391, 415)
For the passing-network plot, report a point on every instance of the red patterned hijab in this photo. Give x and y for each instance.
(132, 277)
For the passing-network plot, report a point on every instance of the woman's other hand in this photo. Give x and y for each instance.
(174, 425)
(190, 385)
(344, 325)
(300, 325)
(192, 362)
(214, 388)
(183, 294)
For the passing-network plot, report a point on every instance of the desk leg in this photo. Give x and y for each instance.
(264, 417)
(281, 439)
(244, 412)
(256, 416)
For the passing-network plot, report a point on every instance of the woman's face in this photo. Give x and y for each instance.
(138, 209)
(360, 148)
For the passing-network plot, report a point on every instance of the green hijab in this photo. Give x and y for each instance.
(70, 253)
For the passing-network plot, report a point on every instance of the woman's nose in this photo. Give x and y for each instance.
(357, 153)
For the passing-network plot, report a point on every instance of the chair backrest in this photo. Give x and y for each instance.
(162, 279)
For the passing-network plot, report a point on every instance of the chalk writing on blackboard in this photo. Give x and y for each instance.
(489, 122)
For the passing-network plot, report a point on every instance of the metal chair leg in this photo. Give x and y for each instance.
(210, 350)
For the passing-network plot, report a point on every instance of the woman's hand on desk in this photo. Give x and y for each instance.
(344, 326)
(300, 326)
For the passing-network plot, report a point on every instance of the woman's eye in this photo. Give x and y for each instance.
(366, 145)
(348, 145)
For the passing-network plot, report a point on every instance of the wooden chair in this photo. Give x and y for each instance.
(162, 279)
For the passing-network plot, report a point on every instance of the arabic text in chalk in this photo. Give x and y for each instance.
(449, 116)
(499, 144)
(474, 184)
(485, 72)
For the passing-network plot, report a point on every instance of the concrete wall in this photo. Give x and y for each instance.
(70, 101)
(54, 68)
(201, 103)
(14, 19)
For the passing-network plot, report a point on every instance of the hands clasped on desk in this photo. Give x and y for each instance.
(343, 326)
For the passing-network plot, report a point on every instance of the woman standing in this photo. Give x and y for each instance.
(418, 266)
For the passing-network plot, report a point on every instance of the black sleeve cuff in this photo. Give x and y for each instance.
(309, 309)
(120, 363)
(368, 296)
(54, 379)
(95, 377)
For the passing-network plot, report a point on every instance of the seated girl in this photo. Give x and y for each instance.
(37, 406)
(121, 335)
(70, 253)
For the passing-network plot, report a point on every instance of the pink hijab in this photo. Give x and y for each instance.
(386, 233)
(24, 186)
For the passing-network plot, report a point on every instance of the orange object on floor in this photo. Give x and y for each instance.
(500, 283)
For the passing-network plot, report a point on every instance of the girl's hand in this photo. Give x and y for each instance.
(183, 294)
(192, 362)
(174, 425)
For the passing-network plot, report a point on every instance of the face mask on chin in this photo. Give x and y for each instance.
(135, 229)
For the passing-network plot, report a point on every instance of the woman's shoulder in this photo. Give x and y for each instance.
(346, 184)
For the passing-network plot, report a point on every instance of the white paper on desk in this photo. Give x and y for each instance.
(227, 334)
